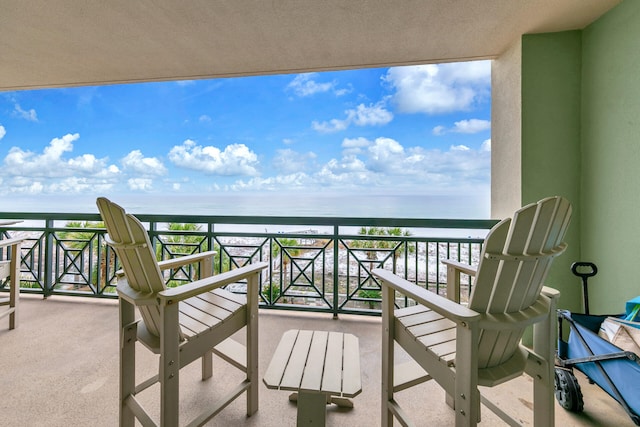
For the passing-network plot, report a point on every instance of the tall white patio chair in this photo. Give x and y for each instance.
(462, 347)
(179, 324)
(10, 269)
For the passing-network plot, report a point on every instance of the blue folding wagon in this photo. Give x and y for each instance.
(614, 370)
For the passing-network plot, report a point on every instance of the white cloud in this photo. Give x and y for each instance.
(23, 185)
(343, 91)
(30, 115)
(349, 172)
(347, 164)
(439, 130)
(51, 163)
(52, 172)
(442, 88)
(385, 155)
(359, 142)
(362, 115)
(68, 185)
(382, 164)
(333, 125)
(289, 161)
(352, 146)
(135, 162)
(139, 184)
(3, 132)
(35, 187)
(385, 163)
(298, 180)
(235, 159)
(304, 85)
(74, 184)
(204, 119)
(373, 115)
(472, 126)
(464, 126)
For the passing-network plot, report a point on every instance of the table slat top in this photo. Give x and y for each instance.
(327, 362)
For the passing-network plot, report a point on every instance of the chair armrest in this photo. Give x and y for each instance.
(179, 262)
(9, 242)
(207, 284)
(184, 260)
(550, 292)
(134, 297)
(447, 308)
(454, 270)
(463, 268)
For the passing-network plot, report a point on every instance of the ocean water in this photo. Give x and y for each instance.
(323, 205)
(299, 205)
(475, 206)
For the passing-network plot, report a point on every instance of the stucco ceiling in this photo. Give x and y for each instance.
(45, 43)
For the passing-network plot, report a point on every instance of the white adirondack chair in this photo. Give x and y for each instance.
(11, 269)
(180, 324)
(462, 347)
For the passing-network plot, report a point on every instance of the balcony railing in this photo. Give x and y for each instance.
(315, 263)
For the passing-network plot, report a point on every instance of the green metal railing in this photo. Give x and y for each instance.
(325, 267)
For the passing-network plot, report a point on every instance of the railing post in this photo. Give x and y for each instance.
(48, 258)
(336, 272)
(154, 238)
(220, 254)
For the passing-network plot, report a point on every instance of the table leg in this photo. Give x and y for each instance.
(311, 409)
(342, 402)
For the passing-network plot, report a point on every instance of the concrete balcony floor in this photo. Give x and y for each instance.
(60, 368)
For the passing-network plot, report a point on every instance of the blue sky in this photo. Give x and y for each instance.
(414, 130)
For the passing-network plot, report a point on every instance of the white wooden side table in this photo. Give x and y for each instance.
(321, 367)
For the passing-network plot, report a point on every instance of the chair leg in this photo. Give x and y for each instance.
(387, 355)
(169, 366)
(128, 338)
(543, 389)
(467, 398)
(253, 283)
(207, 365)
(252, 377)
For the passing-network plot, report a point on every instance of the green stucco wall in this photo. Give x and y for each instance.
(610, 225)
(581, 139)
(550, 144)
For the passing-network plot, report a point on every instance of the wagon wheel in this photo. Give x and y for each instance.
(567, 390)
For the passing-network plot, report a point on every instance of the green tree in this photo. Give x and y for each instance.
(184, 242)
(76, 239)
(381, 244)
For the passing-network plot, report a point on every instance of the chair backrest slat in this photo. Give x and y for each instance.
(488, 269)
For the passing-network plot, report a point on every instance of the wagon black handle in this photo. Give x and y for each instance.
(576, 268)
(584, 270)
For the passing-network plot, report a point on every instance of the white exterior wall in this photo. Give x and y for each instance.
(506, 132)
